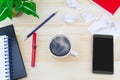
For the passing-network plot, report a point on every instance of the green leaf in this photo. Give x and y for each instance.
(33, 5)
(1, 1)
(18, 5)
(5, 9)
(10, 15)
(26, 6)
(29, 8)
(10, 3)
(3, 13)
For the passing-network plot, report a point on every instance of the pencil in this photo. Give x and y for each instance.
(52, 15)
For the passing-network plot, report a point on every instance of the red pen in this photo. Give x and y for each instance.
(33, 50)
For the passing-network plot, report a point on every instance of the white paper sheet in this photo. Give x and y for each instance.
(88, 17)
(105, 26)
(73, 4)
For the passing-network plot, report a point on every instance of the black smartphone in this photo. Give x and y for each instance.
(103, 57)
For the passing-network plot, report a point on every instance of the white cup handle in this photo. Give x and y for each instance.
(73, 53)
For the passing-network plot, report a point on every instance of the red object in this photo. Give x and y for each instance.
(33, 50)
(110, 5)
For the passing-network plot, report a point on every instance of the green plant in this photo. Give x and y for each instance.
(25, 6)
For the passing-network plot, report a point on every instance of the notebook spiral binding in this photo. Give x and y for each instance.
(6, 51)
(11, 59)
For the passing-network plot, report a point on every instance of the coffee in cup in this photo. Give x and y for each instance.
(60, 46)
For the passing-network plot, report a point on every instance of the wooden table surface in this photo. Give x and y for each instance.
(69, 68)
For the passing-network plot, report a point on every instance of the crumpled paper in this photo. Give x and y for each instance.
(88, 17)
(105, 26)
(74, 4)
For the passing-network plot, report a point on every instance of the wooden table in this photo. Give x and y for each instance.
(69, 68)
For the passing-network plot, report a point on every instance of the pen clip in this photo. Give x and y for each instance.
(34, 40)
(34, 47)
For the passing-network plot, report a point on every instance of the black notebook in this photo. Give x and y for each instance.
(17, 68)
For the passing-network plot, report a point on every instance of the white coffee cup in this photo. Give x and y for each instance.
(60, 46)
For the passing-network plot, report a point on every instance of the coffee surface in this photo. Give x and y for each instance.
(60, 46)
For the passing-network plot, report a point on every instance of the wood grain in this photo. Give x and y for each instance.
(69, 68)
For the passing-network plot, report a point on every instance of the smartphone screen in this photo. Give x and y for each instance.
(103, 54)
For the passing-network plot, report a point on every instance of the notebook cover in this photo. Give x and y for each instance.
(17, 68)
(110, 6)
